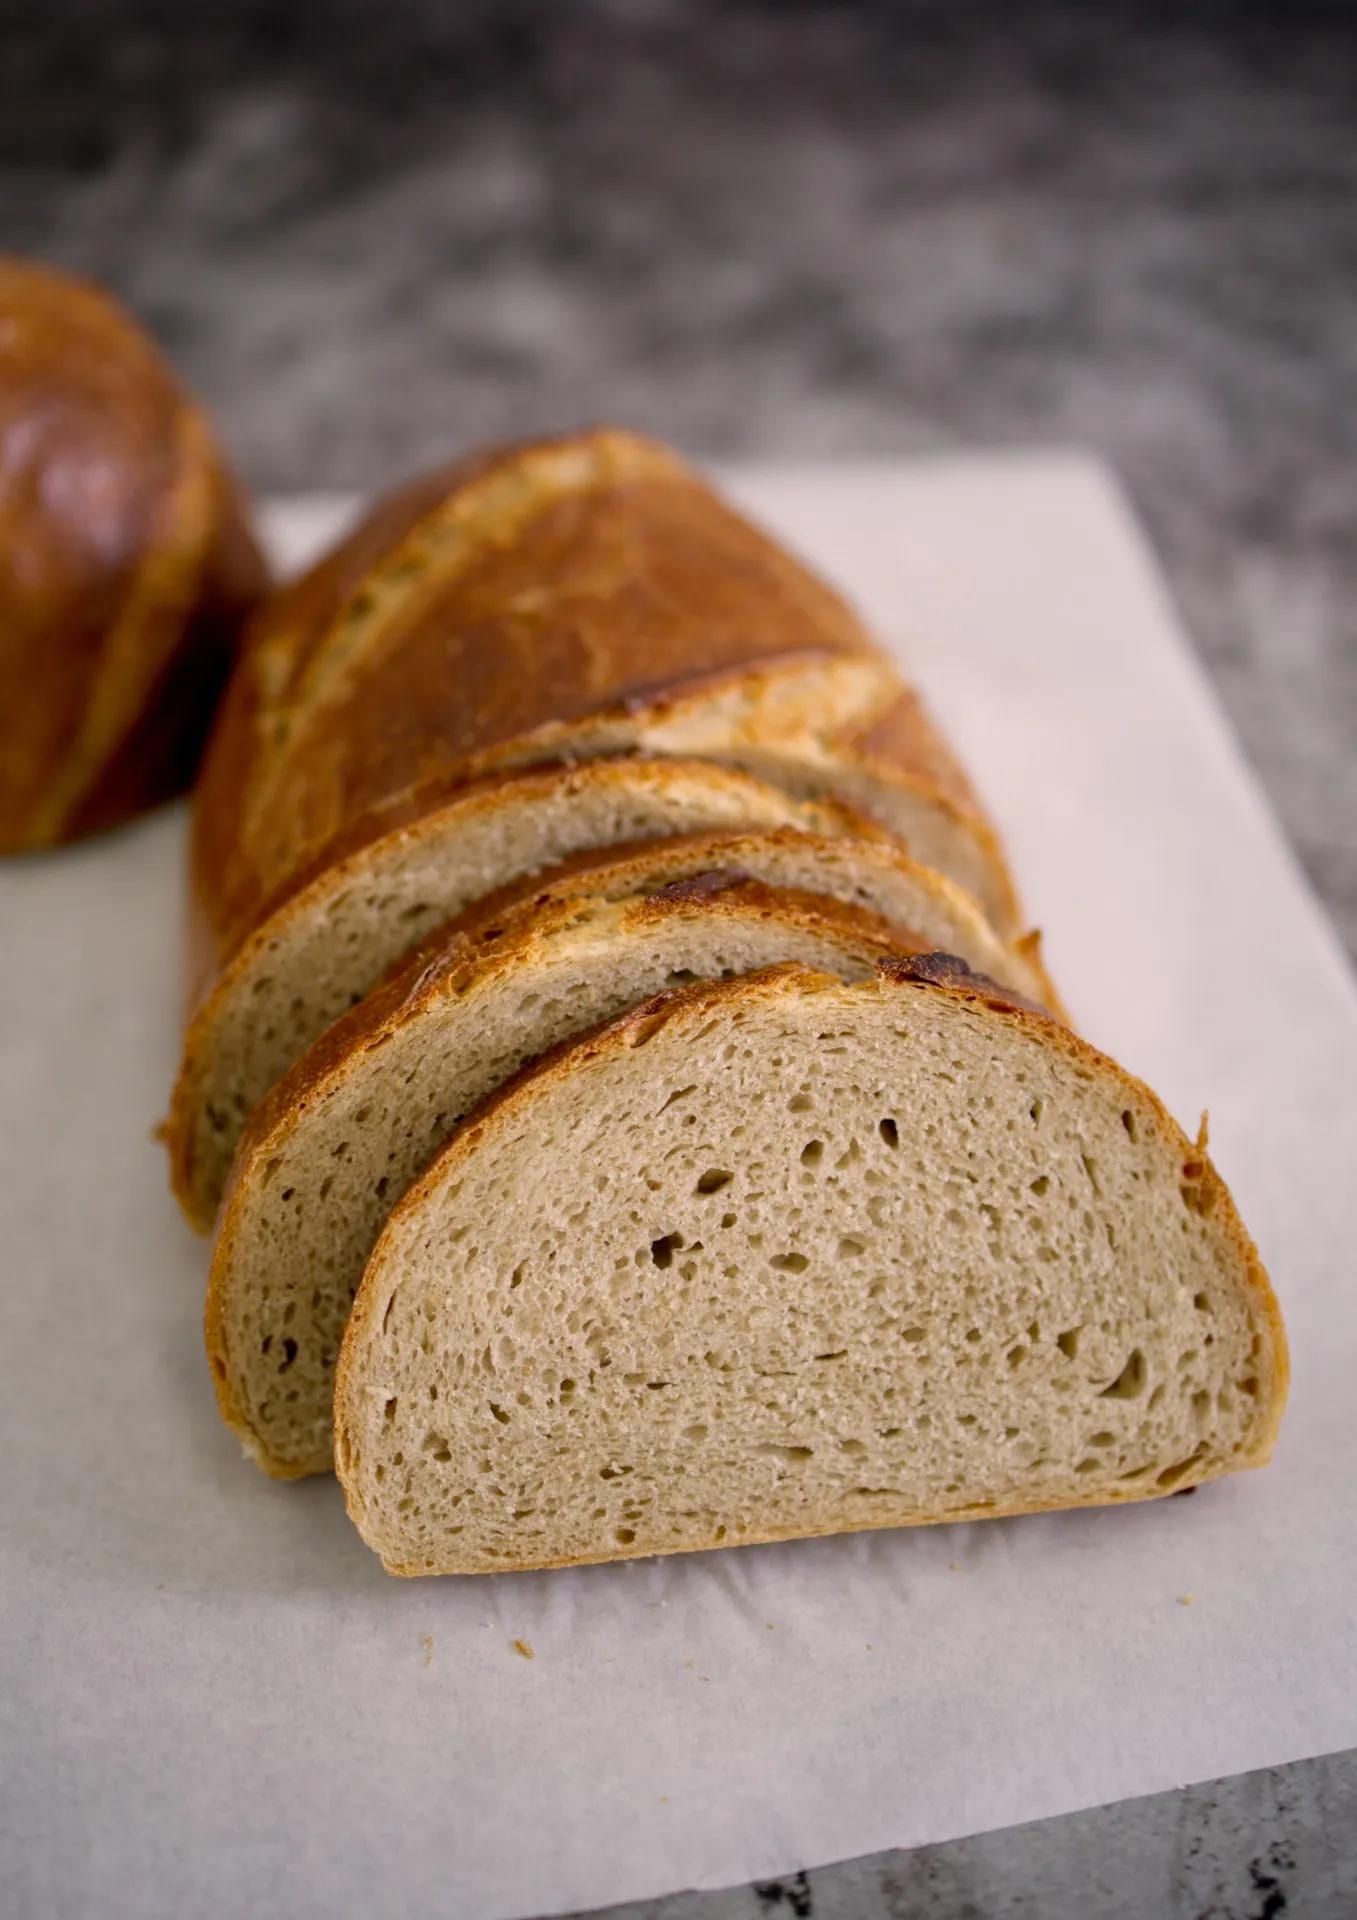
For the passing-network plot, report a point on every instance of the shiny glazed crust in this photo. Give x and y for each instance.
(128, 565)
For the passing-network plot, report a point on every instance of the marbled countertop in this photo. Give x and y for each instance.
(371, 233)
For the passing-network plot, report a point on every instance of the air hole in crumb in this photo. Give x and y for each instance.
(889, 1132)
(389, 1410)
(1130, 1382)
(697, 1431)
(1128, 1120)
(789, 1262)
(714, 1179)
(662, 1251)
(290, 1349)
(381, 1186)
(1041, 1184)
(1035, 1111)
(812, 1153)
(913, 1335)
(498, 1412)
(624, 1536)
(800, 1103)
(1090, 1464)
(1202, 1302)
(1103, 1439)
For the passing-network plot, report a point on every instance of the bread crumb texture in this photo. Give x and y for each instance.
(783, 1257)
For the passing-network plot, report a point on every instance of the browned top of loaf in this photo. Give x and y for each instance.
(525, 589)
(127, 563)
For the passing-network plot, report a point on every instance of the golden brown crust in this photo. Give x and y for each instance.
(592, 576)
(128, 566)
(641, 1023)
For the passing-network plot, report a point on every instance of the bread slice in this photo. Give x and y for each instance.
(330, 943)
(780, 1256)
(340, 1139)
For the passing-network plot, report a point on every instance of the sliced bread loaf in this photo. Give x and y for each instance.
(563, 598)
(329, 943)
(781, 1256)
(337, 1142)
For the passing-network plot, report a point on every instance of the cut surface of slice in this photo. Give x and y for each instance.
(337, 1143)
(328, 945)
(781, 1256)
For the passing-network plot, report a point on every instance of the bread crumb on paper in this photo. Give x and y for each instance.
(426, 1641)
(523, 1647)
(1187, 1599)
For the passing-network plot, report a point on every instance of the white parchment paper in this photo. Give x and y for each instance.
(212, 1701)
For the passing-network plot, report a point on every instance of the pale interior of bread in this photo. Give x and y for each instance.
(796, 1260)
(312, 1194)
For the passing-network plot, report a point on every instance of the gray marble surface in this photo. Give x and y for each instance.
(370, 233)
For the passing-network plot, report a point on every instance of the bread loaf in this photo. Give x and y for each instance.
(340, 1138)
(126, 565)
(780, 1256)
(573, 601)
(566, 597)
